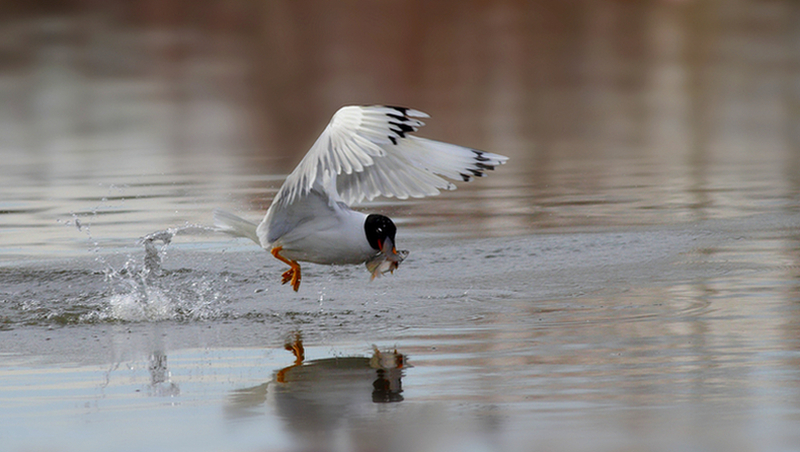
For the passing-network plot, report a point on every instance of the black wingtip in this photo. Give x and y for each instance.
(403, 110)
(479, 156)
(400, 124)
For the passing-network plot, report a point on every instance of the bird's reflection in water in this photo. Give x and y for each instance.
(319, 395)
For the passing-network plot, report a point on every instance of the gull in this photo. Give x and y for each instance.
(364, 152)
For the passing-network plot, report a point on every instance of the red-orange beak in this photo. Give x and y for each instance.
(387, 245)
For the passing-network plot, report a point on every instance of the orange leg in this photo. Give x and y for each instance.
(293, 274)
(296, 347)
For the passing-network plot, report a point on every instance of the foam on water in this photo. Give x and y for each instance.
(131, 307)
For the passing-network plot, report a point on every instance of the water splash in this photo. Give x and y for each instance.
(151, 293)
(154, 255)
(118, 287)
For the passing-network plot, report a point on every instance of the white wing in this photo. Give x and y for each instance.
(366, 152)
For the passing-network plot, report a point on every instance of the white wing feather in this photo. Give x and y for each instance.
(366, 152)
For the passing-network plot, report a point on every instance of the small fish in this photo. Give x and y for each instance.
(386, 261)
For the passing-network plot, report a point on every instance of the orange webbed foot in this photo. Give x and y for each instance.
(287, 276)
(293, 274)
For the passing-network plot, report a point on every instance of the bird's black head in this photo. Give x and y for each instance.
(378, 228)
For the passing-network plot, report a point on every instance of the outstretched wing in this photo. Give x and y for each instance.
(366, 152)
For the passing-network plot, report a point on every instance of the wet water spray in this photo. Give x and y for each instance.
(153, 255)
(151, 293)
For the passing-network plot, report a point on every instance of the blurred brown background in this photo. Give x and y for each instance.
(694, 104)
(603, 73)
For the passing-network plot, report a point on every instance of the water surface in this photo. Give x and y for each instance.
(629, 281)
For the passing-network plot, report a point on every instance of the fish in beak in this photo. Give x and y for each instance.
(387, 259)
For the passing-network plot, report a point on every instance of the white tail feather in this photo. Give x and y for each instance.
(236, 226)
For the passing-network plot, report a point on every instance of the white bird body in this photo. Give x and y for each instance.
(316, 231)
(364, 152)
